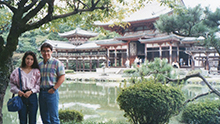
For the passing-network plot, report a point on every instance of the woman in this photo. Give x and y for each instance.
(30, 76)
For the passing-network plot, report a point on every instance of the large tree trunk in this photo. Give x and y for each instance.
(5, 69)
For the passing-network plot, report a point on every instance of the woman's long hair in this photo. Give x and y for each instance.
(35, 64)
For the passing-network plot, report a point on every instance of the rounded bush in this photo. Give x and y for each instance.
(202, 113)
(70, 115)
(150, 103)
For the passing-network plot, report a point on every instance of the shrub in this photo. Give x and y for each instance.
(129, 71)
(70, 115)
(202, 113)
(150, 103)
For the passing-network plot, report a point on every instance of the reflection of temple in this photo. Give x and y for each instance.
(139, 39)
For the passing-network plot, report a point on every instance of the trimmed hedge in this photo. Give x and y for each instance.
(202, 113)
(150, 103)
(70, 115)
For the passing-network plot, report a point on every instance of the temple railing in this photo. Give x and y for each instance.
(200, 49)
(79, 54)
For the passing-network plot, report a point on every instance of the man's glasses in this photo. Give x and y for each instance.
(46, 51)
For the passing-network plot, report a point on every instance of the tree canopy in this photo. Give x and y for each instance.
(193, 22)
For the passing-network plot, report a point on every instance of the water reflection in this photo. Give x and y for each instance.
(97, 101)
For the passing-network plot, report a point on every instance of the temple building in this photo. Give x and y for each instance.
(140, 39)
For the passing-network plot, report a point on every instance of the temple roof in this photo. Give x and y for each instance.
(88, 45)
(171, 37)
(60, 44)
(136, 36)
(112, 42)
(151, 11)
(192, 39)
(78, 32)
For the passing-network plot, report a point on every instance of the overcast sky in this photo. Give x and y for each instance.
(213, 4)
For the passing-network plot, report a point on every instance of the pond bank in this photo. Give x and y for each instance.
(95, 76)
(114, 77)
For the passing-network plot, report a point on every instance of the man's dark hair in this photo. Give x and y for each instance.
(46, 45)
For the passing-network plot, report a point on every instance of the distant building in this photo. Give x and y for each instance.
(139, 39)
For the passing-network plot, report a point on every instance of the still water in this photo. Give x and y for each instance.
(97, 101)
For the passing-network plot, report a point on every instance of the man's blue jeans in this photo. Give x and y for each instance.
(29, 109)
(49, 107)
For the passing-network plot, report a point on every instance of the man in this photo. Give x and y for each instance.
(52, 76)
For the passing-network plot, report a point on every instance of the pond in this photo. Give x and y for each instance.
(97, 101)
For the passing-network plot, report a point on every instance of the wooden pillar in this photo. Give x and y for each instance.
(207, 67)
(192, 61)
(76, 64)
(97, 63)
(171, 49)
(128, 50)
(108, 56)
(145, 52)
(83, 64)
(160, 51)
(178, 52)
(115, 57)
(67, 62)
(90, 63)
(79, 65)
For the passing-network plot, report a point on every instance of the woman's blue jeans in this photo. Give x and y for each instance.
(29, 109)
(49, 107)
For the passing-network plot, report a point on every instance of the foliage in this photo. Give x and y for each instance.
(202, 113)
(150, 103)
(212, 22)
(193, 22)
(69, 71)
(186, 22)
(129, 71)
(70, 115)
(157, 69)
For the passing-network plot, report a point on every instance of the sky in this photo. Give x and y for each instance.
(213, 4)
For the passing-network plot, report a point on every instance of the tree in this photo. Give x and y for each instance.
(184, 22)
(193, 22)
(27, 15)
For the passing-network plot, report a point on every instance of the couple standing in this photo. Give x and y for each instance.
(45, 78)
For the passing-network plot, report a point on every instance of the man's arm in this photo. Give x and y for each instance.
(57, 85)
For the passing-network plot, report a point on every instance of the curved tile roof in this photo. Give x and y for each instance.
(150, 11)
(110, 42)
(77, 32)
(165, 38)
(88, 45)
(60, 44)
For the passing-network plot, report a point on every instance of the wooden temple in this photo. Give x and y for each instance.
(139, 39)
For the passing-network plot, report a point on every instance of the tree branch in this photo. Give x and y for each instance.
(21, 3)
(196, 97)
(13, 9)
(28, 7)
(195, 75)
(33, 12)
(48, 18)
